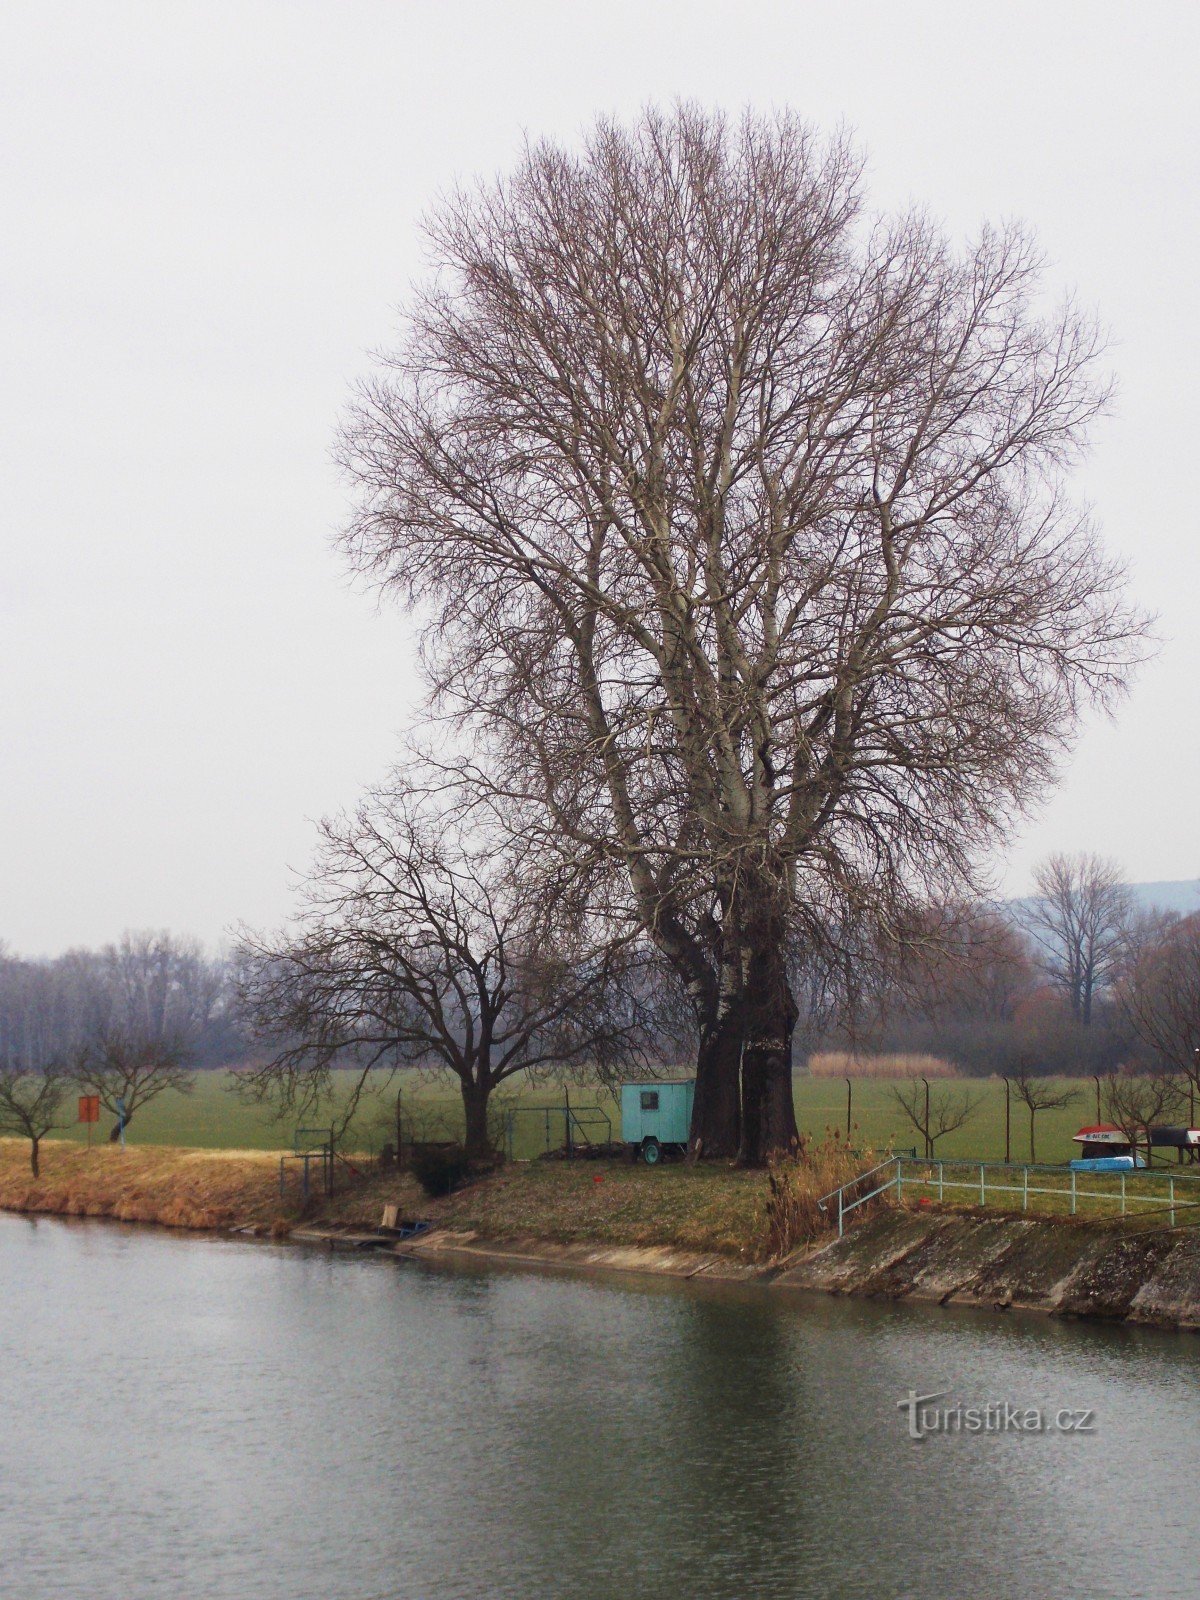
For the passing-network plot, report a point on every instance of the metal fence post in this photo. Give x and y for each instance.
(1072, 1191)
(841, 1197)
(941, 1180)
(1122, 1194)
(899, 1179)
(1025, 1189)
(982, 1186)
(1171, 1188)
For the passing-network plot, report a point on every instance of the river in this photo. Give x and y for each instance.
(223, 1420)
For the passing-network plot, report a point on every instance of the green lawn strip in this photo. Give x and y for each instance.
(1097, 1196)
(213, 1118)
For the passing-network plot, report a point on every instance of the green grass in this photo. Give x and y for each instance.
(214, 1118)
(878, 1120)
(1148, 1197)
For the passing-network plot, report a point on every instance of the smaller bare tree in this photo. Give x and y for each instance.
(148, 999)
(934, 1112)
(1135, 1103)
(31, 1104)
(37, 1036)
(127, 1069)
(1038, 1094)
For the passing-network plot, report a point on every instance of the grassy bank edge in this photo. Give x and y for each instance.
(707, 1211)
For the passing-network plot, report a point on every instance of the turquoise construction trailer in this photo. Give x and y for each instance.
(656, 1118)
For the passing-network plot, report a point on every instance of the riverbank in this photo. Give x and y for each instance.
(1099, 1271)
(1115, 1271)
(710, 1209)
(201, 1189)
(678, 1222)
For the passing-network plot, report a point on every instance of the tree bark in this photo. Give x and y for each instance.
(768, 1106)
(33, 1156)
(475, 1111)
(716, 1111)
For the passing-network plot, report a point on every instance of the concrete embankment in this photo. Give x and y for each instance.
(1148, 1276)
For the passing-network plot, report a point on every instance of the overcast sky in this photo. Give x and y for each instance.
(210, 213)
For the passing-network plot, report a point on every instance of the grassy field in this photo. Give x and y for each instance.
(214, 1118)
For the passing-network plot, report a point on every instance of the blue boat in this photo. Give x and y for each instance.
(1105, 1149)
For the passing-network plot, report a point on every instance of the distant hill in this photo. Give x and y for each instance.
(1182, 896)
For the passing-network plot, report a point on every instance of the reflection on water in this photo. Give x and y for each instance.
(212, 1419)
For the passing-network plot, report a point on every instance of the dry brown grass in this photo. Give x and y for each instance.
(795, 1186)
(845, 1064)
(147, 1183)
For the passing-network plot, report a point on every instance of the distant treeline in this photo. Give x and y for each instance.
(119, 1025)
(1077, 979)
(157, 987)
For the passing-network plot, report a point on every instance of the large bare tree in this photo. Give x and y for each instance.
(1081, 916)
(1159, 991)
(735, 522)
(423, 941)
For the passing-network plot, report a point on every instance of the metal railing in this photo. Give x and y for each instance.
(846, 1206)
(1003, 1183)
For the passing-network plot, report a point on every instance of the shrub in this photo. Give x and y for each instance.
(796, 1182)
(440, 1168)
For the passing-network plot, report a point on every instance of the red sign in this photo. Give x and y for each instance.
(89, 1108)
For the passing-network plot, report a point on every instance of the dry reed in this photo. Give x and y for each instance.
(795, 1185)
(845, 1064)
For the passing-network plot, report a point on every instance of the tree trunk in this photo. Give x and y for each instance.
(33, 1156)
(768, 1107)
(475, 1111)
(716, 1111)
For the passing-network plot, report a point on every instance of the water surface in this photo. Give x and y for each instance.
(228, 1421)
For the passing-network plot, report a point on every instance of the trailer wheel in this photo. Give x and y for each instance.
(651, 1152)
